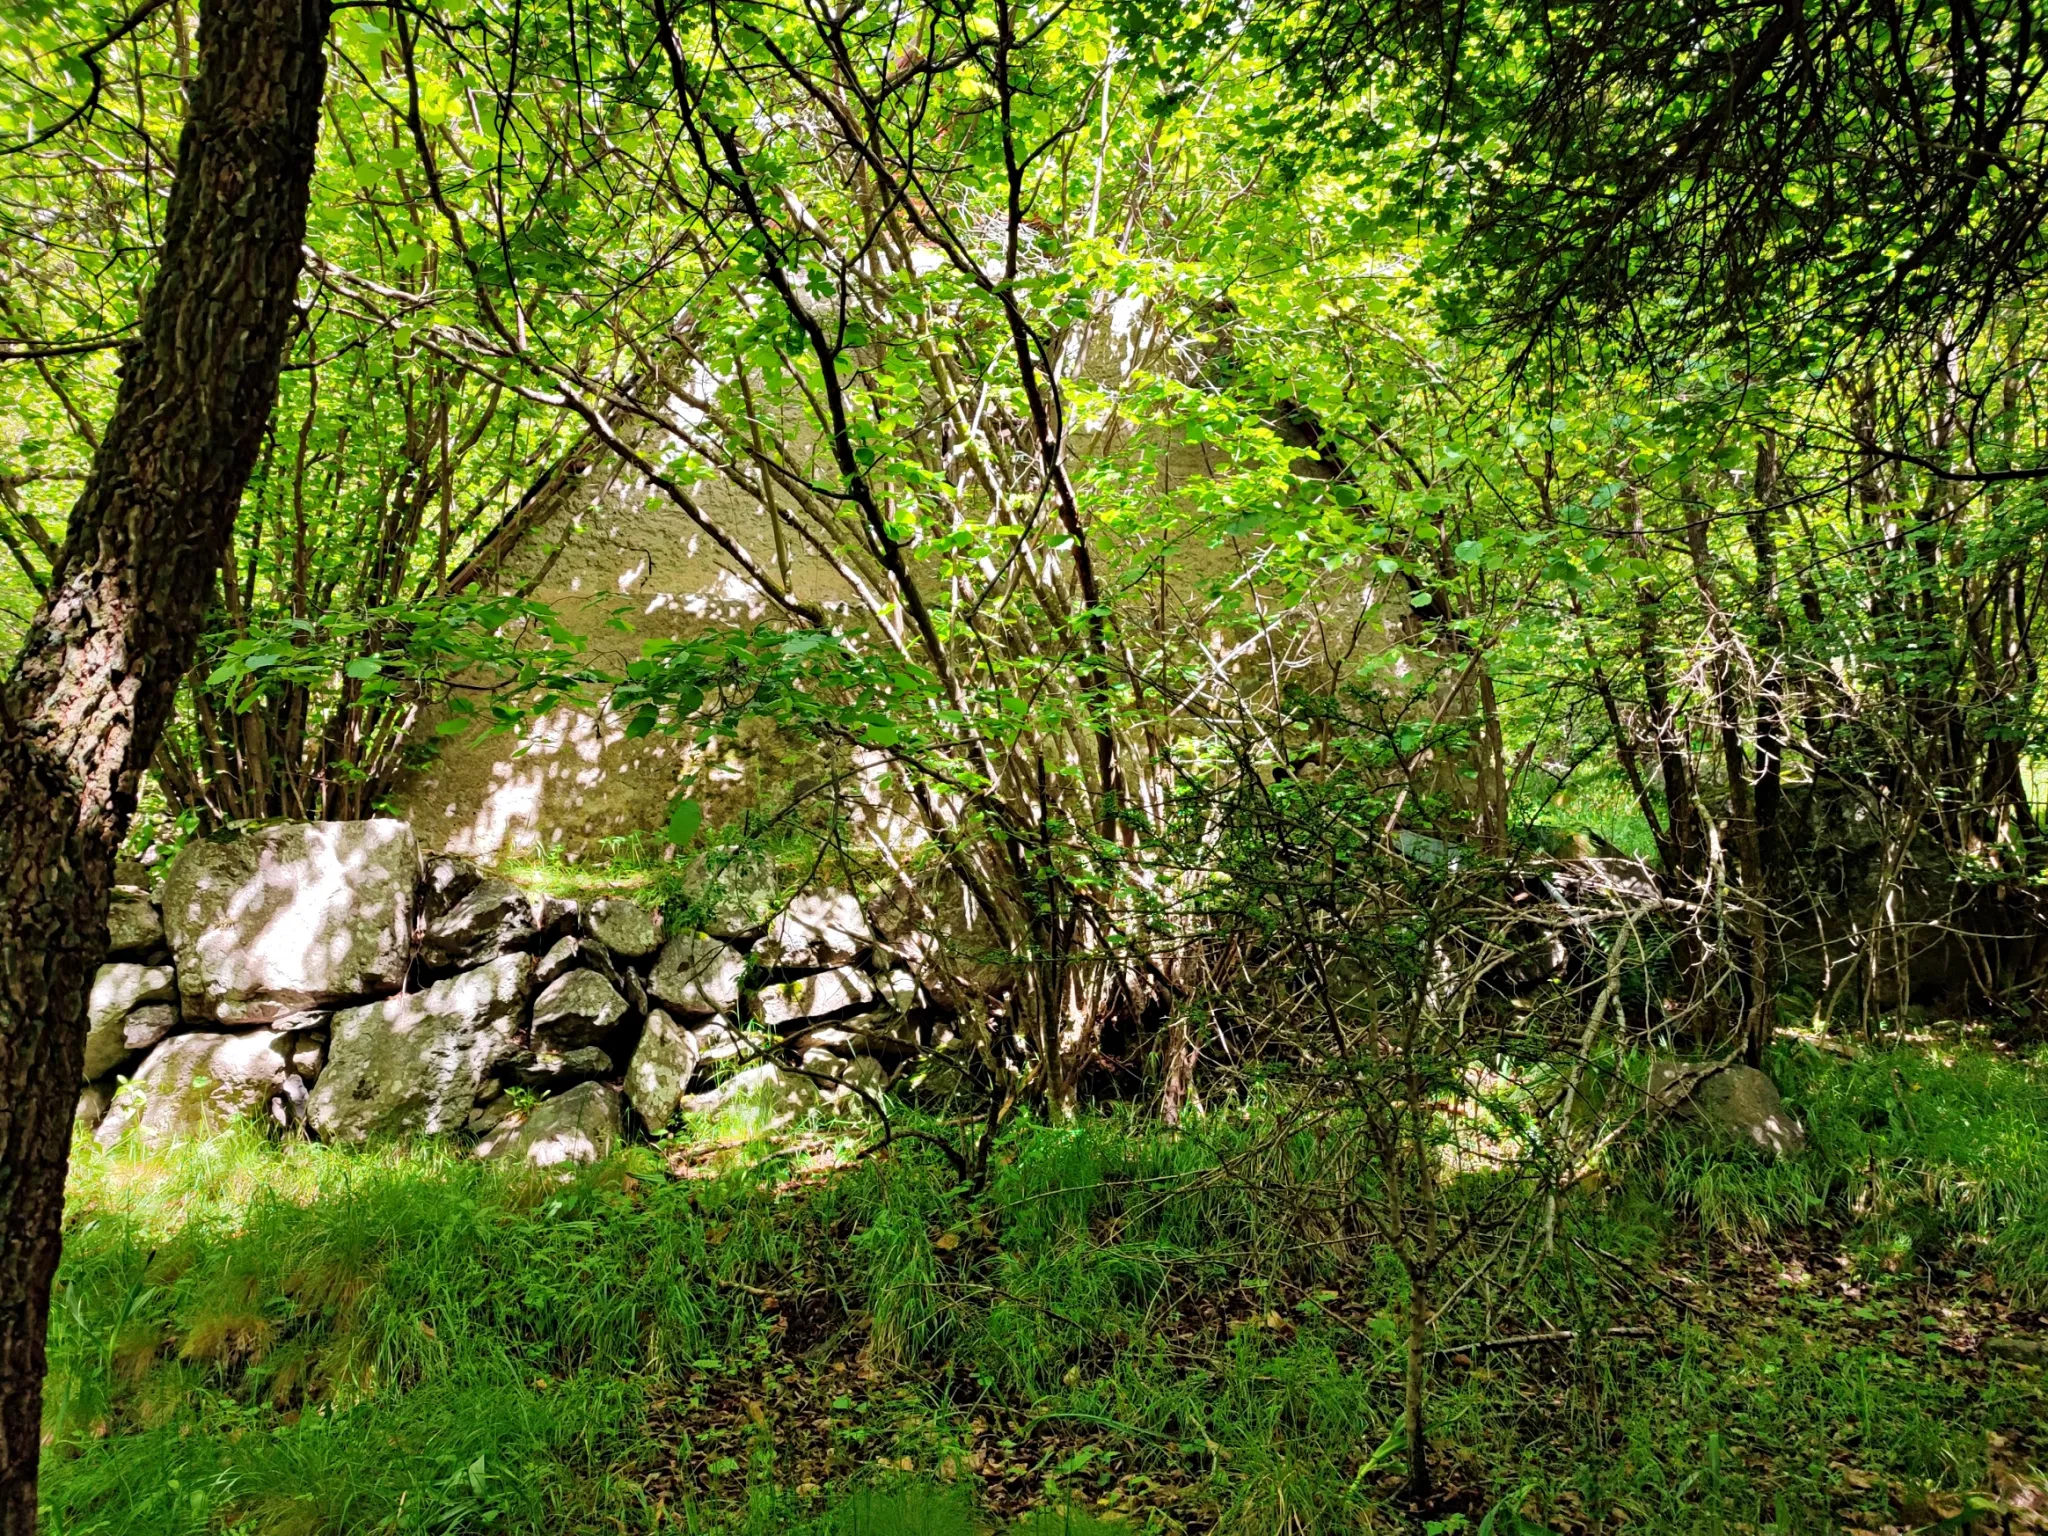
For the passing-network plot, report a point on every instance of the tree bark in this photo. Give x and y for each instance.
(86, 701)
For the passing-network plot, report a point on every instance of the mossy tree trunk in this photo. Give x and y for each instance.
(87, 698)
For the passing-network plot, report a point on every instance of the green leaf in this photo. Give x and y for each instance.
(684, 818)
(363, 668)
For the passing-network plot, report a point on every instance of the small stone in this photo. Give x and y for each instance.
(553, 916)
(719, 1041)
(882, 1035)
(309, 1054)
(117, 991)
(634, 990)
(579, 1009)
(813, 997)
(580, 1126)
(821, 929)
(147, 1025)
(135, 929)
(625, 928)
(898, 990)
(697, 974)
(93, 1104)
(763, 1097)
(493, 918)
(549, 1069)
(564, 956)
(571, 953)
(446, 879)
(861, 1081)
(661, 1068)
(769, 1097)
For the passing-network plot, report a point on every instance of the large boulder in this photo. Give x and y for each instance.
(197, 1084)
(271, 920)
(660, 1071)
(118, 991)
(820, 929)
(135, 929)
(697, 974)
(489, 919)
(1738, 1104)
(411, 1065)
(626, 928)
(823, 996)
(580, 1126)
(578, 1009)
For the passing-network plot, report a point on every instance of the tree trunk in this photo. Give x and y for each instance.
(82, 710)
(1414, 1431)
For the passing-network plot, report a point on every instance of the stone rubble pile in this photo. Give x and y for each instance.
(328, 977)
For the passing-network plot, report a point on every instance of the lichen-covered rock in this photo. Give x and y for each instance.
(820, 929)
(309, 1054)
(737, 891)
(578, 1009)
(660, 1071)
(445, 880)
(553, 917)
(1738, 1104)
(626, 928)
(719, 1041)
(771, 1097)
(898, 990)
(197, 1084)
(763, 1097)
(861, 1082)
(580, 1126)
(135, 929)
(571, 953)
(271, 920)
(117, 991)
(813, 997)
(885, 1036)
(492, 918)
(411, 1065)
(147, 1025)
(697, 974)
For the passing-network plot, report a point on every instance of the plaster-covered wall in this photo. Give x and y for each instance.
(614, 554)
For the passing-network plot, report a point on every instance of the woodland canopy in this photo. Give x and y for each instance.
(1375, 564)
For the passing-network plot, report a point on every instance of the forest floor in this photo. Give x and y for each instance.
(1117, 1334)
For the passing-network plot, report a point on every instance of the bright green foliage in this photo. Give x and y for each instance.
(296, 1339)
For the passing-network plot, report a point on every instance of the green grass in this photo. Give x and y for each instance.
(290, 1340)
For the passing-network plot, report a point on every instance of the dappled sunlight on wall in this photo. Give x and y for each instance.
(626, 570)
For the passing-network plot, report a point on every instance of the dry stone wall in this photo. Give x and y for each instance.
(327, 978)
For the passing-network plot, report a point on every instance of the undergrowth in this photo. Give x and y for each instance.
(1117, 1334)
